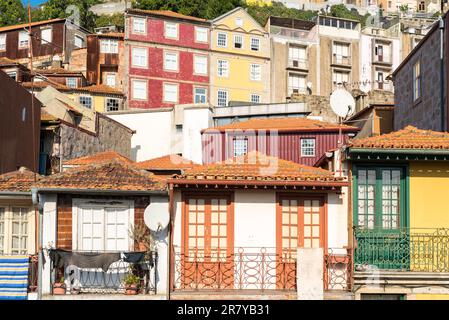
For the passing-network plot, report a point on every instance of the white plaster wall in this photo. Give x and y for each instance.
(365, 60)
(195, 119)
(337, 221)
(48, 236)
(153, 137)
(339, 33)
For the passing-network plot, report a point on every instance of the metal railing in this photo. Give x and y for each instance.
(338, 269)
(33, 273)
(298, 63)
(96, 281)
(341, 59)
(405, 249)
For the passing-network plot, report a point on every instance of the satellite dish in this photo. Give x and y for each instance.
(156, 215)
(342, 103)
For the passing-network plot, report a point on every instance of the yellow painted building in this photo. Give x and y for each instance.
(240, 60)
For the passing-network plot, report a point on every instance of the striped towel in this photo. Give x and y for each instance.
(14, 277)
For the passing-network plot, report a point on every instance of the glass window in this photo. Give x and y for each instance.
(170, 92)
(296, 83)
(86, 101)
(171, 30)
(238, 41)
(255, 44)
(171, 61)
(139, 89)
(255, 98)
(200, 34)
(307, 147)
(222, 39)
(108, 46)
(239, 22)
(2, 42)
(46, 35)
(222, 98)
(2, 230)
(256, 72)
(139, 25)
(19, 244)
(112, 104)
(79, 41)
(110, 79)
(223, 68)
(139, 57)
(340, 52)
(340, 77)
(200, 95)
(240, 147)
(71, 82)
(13, 74)
(200, 64)
(23, 39)
(416, 81)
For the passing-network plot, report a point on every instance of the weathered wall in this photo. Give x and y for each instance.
(318, 105)
(77, 60)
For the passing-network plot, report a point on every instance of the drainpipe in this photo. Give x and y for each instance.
(441, 27)
(40, 263)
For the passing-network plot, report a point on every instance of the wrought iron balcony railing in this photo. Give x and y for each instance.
(96, 281)
(406, 249)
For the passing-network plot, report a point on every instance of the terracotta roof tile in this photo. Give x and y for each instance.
(43, 84)
(97, 159)
(257, 167)
(108, 35)
(101, 88)
(4, 61)
(45, 116)
(18, 181)
(167, 13)
(114, 175)
(168, 162)
(57, 71)
(26, 25)
(284, 124)
(407, 138)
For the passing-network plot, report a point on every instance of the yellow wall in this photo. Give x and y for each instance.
(260, 2)
(429, 195)
(425, 296)
(239, 85)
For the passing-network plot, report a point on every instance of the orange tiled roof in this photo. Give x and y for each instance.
(108, 35)
(97, 158)
(284, 124)
(114, 175)
(26, 25)
(18, 181)
(101, 88)
(45, 116)
(6, 61)
(168, 162)
(256, 167)
(407, 138)
(167, 13)
(57, 71)
(44, 84)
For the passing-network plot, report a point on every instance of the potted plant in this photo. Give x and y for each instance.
(59, 287)
(132, 284)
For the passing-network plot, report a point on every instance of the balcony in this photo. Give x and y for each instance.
(298, 64)
(341, 60)
(72, 280)
(381, 59)
(383, 85)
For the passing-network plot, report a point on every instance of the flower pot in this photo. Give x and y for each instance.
(59, 289)
(131, 289)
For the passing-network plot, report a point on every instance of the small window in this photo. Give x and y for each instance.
(255, 72)
(19, 231)
(200, 95)
(255, 44)
(201, 34)
(72, 82)
(13, 74)
(139, 89)
(239, 22)
(416, 81)
(238, 41)
(139, 57)
(86, 101)
(171, 30)
(200, 64)
(110, 79)
(46, 35)
(296, 83)
(23, 39)
(108, 46)
(255, 98)
(223, 68)
(222, 40)
(79, 42)
(139, 25)
(112, 104)
(170, 92)
(307, 147)
(171, 61)
(2, 42)
(222, 98)
(240, 147)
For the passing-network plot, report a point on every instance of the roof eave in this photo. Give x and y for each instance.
(398, 151)
(260, 183)
(102, 191)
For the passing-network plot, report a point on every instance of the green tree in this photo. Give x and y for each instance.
(341, 11)
(11, 12)
(104, 20)
(277, 9)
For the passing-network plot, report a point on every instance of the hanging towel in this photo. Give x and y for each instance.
(14, 277)
(83, 259)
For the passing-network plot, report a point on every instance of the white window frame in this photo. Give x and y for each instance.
(253, 74)
(86, 97)
(133, 96)
(254, 97)
(8, 228)
(106, 104)
(291, 88)
(108, 76)
(69, 80)
(304, 146)
(142, 25)
(167, 35)
(225, 40)
(222, 68)
(108, 46)
(218, 98)
(240, 146)
(239, 22)
(195, 94)
(22, 35)
(253, 46)
(46, 39)
(169, 67)
(3, 42)
(141, 58)
(417, 81)
(80, 39)
(164, 92)
(79, 203)
(204, 31)
(240, 38)
(196, 60)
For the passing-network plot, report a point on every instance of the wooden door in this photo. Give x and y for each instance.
(300, 224)
(208, 243)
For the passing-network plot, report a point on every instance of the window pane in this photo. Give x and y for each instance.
(240, 147)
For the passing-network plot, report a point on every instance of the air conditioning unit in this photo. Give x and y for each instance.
(296, 63)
